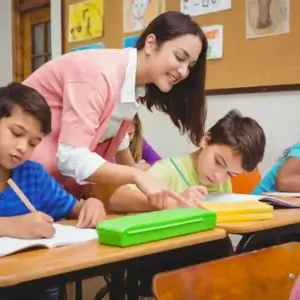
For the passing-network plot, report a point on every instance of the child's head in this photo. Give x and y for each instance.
(233, 145)
(136, 138)
(25, 118)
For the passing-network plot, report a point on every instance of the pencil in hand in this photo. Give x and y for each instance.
(21, 195)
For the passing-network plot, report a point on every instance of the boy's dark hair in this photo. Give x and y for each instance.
(29, 100)
(186, 102)
(243, 134)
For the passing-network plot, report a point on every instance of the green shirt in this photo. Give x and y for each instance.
(166, 172)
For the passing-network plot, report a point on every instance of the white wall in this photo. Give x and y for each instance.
(278, 113)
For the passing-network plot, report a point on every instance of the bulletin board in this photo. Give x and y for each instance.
(248, 65)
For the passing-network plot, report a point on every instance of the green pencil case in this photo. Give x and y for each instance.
(152, 226)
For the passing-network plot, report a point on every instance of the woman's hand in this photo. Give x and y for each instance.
(156, 191)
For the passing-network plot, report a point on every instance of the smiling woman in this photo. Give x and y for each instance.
(92, 106)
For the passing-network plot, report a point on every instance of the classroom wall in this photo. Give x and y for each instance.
(278, 113)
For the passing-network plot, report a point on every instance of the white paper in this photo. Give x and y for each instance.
(65, 235)
(214, 36)
(282, 194)
(224, 197)
(268, 17)
(202, 7)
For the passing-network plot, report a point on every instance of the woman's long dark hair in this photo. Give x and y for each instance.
(186, 102)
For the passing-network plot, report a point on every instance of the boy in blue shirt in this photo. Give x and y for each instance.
(25, 118)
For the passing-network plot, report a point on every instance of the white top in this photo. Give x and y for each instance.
(81, 163)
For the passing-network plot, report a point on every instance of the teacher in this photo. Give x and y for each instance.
(94, 95)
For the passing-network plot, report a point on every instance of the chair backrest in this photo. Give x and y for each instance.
(101, 191)
(246, 182)
(266, 274)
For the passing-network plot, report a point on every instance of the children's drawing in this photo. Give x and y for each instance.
(214, 35)
(133, 13)
(267, 17)
(202, 7)
(155, 8)
(85, 20)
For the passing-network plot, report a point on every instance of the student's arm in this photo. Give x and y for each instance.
(58, 203)
(288, 176)
(55, 200)
(29, 226)
(124, 157)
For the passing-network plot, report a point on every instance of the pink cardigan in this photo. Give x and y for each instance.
(81, 89)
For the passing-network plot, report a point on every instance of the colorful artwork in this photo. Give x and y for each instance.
(214, 35)
(129, 42)
(86, 47)
(138, 13)
(85, 20)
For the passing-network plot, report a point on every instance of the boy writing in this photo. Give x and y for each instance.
(25, 119)
(233, 145)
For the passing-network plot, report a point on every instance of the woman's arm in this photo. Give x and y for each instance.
(83, 106)
(125, 200)
(149, 154)
(288, 176)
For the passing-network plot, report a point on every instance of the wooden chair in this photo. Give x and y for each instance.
(266, 274)
(101, 191)
(245, 182)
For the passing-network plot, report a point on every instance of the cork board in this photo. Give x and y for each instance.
(249, 65)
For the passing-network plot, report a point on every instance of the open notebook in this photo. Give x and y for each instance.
(65, 235)
(272, 200)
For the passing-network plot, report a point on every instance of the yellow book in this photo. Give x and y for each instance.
(240, 211)
(245, 217)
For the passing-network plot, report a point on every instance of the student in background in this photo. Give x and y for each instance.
(94, 94)
(284, 175)
(143, 154)
(233, 145)
(25, 119)
(134, 151)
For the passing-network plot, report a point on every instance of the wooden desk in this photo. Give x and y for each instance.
(286, 222)
(67, 264)
(264, 275)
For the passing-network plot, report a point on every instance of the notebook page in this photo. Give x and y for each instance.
(69, 235)
(228, 197)
(10, 245)
(65, 235)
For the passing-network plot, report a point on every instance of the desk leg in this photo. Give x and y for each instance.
(117, 289)
(267, 238)
(78, 290)
(132, 284)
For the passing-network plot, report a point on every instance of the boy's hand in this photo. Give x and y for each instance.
(33, 226)
(194, 195)
(91, 213)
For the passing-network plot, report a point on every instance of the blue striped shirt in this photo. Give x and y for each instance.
(41, 189)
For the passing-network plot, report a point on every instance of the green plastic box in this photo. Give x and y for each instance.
(152, 226)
